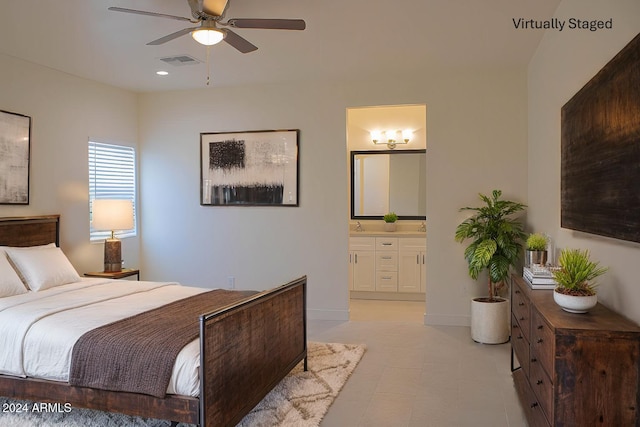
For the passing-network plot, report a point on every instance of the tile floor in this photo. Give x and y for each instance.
(418, 376)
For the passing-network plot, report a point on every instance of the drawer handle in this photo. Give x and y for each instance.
(539, 340)
(517, 291)
(539, 382)
(387, 244)
(519, 337)
(515, 326)
(540, 327)
(534, 405)
(386, 257)
(386, 277)
(534, 360)
(521, 304)
(522, 318)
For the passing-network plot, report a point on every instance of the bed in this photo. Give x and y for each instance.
(245, 349)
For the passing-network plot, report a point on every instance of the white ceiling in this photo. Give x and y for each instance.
(344, 39)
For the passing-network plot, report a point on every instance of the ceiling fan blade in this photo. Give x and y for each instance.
(271, 24)
(171, 36)
(214, 7)
(158, 15)
(240, 43)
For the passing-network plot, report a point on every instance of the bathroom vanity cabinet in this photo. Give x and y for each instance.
(383, 266)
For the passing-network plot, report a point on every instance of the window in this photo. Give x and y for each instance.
(112, 175)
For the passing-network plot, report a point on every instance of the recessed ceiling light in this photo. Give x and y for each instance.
(162, 73)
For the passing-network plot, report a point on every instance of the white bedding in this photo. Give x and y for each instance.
(38, 329)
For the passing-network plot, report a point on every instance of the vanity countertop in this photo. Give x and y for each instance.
(382, 233)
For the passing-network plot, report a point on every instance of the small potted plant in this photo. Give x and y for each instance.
(536, 249)
(390, 221)
(576, 290)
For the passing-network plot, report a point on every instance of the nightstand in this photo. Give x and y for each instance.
(126, 272)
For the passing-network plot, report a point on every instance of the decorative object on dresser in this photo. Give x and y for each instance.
(573, 370)
(254, 168)
(576, 290)
(15, 143)
(536, 253)
(390, 221)
(495, 247)
(112, 215)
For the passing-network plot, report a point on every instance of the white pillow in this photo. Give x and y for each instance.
(43, 267)
(10, 283)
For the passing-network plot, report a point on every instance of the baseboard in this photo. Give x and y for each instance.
(445, 320)
(324, 314)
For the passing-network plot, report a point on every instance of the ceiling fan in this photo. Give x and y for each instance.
(209, 14)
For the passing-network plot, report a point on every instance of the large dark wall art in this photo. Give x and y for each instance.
(600, 180)
(15, 139)
(257, 168)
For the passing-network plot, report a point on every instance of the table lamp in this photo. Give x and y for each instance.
(112, 215)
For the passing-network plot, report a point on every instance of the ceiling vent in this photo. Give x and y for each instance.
(180, 60)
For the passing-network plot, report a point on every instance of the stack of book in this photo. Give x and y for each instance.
(539, 277)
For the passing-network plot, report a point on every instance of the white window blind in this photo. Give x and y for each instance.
(112, 175)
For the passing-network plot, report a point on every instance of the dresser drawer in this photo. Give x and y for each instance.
(386, 243)
(521, 308)
(387, 281)
(520, 345)
(541, 385)
(530, 404)
(386, 261)
(542, 341)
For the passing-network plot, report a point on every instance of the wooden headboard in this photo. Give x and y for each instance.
(30, 230)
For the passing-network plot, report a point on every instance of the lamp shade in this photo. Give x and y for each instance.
(112, 214)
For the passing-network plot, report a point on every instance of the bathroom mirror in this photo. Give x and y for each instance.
(388, 181)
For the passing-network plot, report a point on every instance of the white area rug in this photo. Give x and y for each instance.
(300, 400)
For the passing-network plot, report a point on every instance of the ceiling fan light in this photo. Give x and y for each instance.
(207, 36)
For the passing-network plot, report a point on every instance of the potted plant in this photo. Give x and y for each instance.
(576, 290)
(495, 247)
(536, 252)
(390, 221)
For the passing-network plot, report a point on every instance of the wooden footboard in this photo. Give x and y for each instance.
(247, 348)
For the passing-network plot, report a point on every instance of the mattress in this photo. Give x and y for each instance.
(39, 329)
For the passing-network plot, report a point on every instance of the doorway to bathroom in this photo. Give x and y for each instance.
(386, 152)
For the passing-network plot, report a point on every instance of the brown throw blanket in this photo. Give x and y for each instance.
(137, 354)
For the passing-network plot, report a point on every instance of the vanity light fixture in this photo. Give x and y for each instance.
(390, 137)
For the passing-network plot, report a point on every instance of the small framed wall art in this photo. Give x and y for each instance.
(253, 168)
(15, 142)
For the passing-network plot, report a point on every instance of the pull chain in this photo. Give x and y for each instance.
(208, 67)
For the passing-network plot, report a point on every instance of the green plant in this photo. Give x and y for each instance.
(577, 273)
(390, 217)
(496, 239)
(537, 242)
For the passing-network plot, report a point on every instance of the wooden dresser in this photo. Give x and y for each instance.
(574, 369)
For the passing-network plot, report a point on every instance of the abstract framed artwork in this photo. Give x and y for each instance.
(600, 151)
(251, 168)
(15, 142)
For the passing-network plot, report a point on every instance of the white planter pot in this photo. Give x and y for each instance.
(575, 304)
(389, 226)
(490, 321)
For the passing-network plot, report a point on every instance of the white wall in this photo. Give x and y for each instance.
(563, 63)
(65, 111)
(477, 142)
